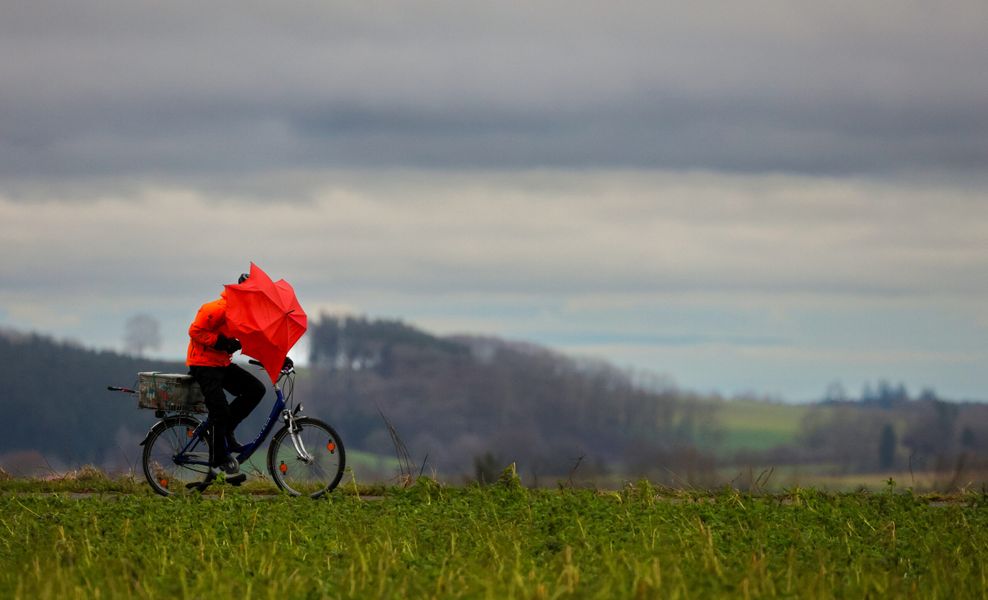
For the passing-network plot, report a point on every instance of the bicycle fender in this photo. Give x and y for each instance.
(162, 423)
(148, 434)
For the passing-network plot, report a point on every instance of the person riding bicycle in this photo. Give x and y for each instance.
(210, 364)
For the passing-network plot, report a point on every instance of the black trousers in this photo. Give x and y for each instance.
(224, 417)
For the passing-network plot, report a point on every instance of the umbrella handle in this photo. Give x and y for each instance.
(258, 363)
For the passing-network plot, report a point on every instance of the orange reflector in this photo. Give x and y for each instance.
(283, 467)
(189, 431)
(164, 483)
(331, 446)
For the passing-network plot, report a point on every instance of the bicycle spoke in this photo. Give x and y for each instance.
(291, 470)
(166, 475)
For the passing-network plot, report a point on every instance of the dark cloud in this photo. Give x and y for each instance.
(214, 90)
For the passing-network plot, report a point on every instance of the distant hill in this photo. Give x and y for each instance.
(55, 401)
(465, 406)
(465, 401)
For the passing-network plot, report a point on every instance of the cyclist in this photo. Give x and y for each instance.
(209, 362)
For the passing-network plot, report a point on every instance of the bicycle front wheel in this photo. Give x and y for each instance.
(175, 456)
(308, 461)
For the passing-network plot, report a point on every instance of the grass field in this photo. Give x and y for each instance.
(758, 425)
(502, 541)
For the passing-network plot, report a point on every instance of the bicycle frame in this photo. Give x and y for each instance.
(278, 410)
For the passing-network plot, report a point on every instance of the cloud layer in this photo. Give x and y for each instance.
(217, 90)
(727, 282)
(764, 195)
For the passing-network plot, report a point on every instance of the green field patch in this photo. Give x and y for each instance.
(364, 465)
(759, 425)
(752, 439)
(360, 460)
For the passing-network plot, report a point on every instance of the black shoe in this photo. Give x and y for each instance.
(229, 472)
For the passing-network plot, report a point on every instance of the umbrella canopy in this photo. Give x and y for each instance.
(266, 317)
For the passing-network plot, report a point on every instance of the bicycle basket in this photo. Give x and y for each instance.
(169, 391)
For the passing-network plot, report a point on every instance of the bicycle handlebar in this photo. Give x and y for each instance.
(258, 363)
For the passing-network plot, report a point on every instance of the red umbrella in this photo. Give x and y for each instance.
(266, 317)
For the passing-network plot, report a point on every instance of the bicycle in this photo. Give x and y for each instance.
(305, 457)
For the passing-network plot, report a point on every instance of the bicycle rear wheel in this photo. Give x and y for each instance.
(168, 469)
(315, 466)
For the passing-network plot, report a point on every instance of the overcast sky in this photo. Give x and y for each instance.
(753, 197)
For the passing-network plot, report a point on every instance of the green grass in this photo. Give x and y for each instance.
(758, 425)
(498, 542)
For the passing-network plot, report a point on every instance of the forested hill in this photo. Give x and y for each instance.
(465, 401)
(54, 402)
(458, 400)
(467, 406)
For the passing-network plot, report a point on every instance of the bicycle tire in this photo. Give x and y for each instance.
(294, 475)
(166, 438)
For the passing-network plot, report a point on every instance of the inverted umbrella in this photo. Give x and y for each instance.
(266, 317)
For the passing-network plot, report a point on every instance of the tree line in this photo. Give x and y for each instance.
(463, 407)
(463, 404)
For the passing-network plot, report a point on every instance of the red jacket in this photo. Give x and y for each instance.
(205, 330)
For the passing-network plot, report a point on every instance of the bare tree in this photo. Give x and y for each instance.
(141, 332)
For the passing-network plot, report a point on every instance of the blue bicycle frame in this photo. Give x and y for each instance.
(248, 449)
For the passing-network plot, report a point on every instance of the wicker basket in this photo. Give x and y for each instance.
(170, 392)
